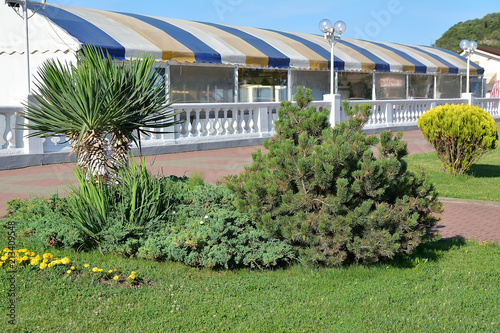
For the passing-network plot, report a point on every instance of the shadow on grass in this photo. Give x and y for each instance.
(484, 171)
(432, 251)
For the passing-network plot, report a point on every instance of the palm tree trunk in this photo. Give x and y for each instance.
(120, 149)
(91, 155)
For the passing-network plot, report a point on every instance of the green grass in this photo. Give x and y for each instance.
(447, 286)
(481, 182)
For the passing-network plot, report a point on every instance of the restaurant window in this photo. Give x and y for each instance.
(476, 86)
(262, 85)
(200, 84)
(448, 86)
(317, 81)
(421, 86)
(355, 85)
(390, 86)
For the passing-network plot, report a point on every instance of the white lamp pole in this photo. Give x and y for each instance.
(469, 48)
(24, 4)
(329, 30)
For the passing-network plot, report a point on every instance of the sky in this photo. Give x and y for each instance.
(418, 22)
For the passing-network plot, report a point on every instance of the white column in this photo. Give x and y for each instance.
(374, 90)
(168, 94)
(332, 70)
(289, 85)
(236, 85)
(334, 109)
(33, 145)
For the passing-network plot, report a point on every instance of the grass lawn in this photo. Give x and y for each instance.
(448, 286)
(481, 182)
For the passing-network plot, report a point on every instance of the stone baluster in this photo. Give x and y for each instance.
(251, 122)
(9, 135)
(235, 123)
(243, 123)
(208, 125)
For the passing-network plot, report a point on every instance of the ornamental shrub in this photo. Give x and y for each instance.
(460, 134)
(207, 231)
(44, 221)
(100, 215)
(322, 190)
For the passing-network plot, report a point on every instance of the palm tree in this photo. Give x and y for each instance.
(97, 97)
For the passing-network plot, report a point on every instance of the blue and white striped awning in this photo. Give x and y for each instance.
(126, 35)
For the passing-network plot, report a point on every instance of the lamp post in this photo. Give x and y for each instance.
(32, 145)
(469, 48)
(16, 4)
(329, 30)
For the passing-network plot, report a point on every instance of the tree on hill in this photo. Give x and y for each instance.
(485, 31)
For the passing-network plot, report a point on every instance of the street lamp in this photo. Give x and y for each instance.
(469, 48)
(329, 30)
(16, 4)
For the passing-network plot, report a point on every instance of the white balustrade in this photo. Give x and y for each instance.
(238, 121)
(490, 105)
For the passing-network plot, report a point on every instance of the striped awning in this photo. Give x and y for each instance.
(127, 35)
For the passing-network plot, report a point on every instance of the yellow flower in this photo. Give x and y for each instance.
(47, 256)
(6, 250)
(34, 262)
(32, 254)
(110, 271)
(99, 269)
(69, 271)
(52, 264)
(3, 258)
(86, 265)
(95, 269)
(116, 277)
(25, 258)
(23, 250)
(73, 267)
(43, 265)
(58, 262)
(65, 260)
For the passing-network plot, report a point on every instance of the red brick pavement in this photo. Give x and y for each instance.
(479, 220)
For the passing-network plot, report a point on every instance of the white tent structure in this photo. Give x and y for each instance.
(46, 40)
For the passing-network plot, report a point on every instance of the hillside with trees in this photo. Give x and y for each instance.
(485, 31)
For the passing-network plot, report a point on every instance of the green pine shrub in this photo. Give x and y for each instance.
(208, 231)
(322, 190)
(460, 134)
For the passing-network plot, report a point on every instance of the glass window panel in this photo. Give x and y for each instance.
(475, 85)
(262, 85)
(355, 85)
(318, 82)
(448, 86)
(390, 86)
(421, 86)
(199, 84)
(161, 71)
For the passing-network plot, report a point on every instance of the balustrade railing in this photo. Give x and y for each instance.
(236, 121)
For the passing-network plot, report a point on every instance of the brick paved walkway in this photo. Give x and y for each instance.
(479, 220)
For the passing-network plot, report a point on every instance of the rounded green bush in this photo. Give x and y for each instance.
(322, 190)
(460, 134)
